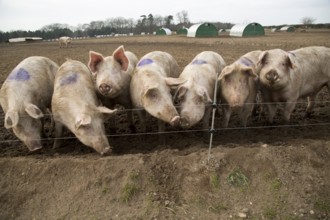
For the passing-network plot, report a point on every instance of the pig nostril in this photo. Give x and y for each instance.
(104, 88)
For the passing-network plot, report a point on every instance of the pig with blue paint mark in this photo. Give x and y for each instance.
(289, 76)
(155, 74)
(75, 105)
(113, 77)
(195, 96)
(238, 83)
(25, 96)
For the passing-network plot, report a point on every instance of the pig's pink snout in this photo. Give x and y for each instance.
(272, 76)
(175, 121)
(105, 88)
(184, 123)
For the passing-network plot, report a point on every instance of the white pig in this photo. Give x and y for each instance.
(196, 94)
(25, 95)
(238, 85)
(288, 76)
(113, 77)
(64, 41)
(75, 105)
(150, 87)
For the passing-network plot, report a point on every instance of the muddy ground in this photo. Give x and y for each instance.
(278, 172)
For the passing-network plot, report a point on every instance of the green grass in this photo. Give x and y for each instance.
(322, 205)
(270, 213)
(237, 178)
(215, 181)
(130, 188)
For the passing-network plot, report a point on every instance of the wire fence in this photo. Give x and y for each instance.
(212, 130)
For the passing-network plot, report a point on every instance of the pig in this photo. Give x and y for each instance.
(113, 77)
(25, 97)
(239, 85)
(289, 76)
(64, 41)
(155, 74)
(75, 105)
(196, 94)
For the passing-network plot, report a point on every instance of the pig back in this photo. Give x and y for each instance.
(32, 80)
(164, 61)
(74, 81)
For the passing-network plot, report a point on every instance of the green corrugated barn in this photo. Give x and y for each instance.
(182, 31)
(247, 30)
(202, 30)
(163, 31)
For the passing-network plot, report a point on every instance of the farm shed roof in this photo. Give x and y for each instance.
(287, 29)
(24, 39)
(202, 30)
(163, 31)
(244, 30)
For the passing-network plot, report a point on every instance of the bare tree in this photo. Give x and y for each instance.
(182, 17)
(307, 20)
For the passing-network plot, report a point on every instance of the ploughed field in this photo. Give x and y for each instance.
(261, 172)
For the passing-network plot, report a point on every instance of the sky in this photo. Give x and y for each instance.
(34, 14)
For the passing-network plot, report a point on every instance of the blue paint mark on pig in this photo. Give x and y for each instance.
(246, 61)
(199, 62)
(69, 79)
(19, 75)
(145, 62)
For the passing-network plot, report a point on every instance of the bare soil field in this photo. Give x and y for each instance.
(261, 172)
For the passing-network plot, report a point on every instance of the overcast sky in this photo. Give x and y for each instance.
(34, 14)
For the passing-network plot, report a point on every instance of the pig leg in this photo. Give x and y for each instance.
(271, 112)
(227, 113)
(131, 121)
(161, 134)
(58, 134)
(246, 112)
(142, 116)
(288, 109)
(310, 106)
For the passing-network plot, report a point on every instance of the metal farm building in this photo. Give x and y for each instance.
(202, 30)
(163, 31)
(182, 31)
(247, 30)
(288, 29)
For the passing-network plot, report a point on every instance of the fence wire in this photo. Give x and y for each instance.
(211, 130)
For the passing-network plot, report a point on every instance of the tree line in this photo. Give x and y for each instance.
(147, 23)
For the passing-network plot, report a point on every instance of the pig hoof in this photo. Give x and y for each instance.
(175, 121)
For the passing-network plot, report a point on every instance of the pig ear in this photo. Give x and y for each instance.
(263, 58)
(172, 82)
(34, 111)
(203, 93)
(121, 58)
(226, 71)
(94, 60)
(82, 120)
(11, 119)
(180, 92)
(289, 63)
(152, 93)
(250, 72)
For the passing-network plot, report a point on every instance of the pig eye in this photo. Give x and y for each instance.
(152, 94)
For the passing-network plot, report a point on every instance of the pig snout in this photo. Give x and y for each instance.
(105, 88)
(175, 121)
(184, 123)
(33, 145)
(272, 76)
